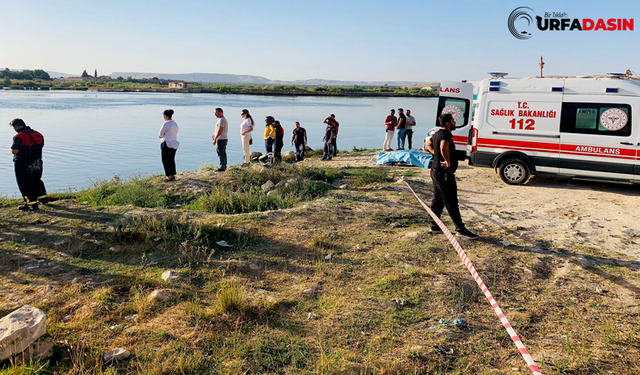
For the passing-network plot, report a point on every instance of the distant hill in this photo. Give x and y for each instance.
(61, 75)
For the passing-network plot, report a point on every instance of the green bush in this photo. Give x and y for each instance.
(136, 191)
(371, 175)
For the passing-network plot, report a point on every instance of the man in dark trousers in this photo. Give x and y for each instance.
(27, 157)
(443, 174)
(331, 120)
(300, 138)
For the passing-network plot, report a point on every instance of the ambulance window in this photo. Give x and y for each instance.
(596, 118)
(457, 107)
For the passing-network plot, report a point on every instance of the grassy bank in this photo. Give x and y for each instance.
(132, 85)
(333, 273)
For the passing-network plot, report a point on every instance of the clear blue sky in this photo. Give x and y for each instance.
(289, 40)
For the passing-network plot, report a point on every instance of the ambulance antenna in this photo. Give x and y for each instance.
(541, 63)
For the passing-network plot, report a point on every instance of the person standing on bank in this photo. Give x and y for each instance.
(279, 141)
(220, 139)
(269, 137)
(329, 134)
(443, 174)
(299, 137)
(411, 122)
(390, 126)
(245, 132)
(27, 158)
(336, 125)
(402, 124)
(169, 144)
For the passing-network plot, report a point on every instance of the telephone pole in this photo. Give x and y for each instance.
(541, 63)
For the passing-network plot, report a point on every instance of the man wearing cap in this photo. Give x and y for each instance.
(27, 157)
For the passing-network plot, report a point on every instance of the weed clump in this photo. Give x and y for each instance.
(232, 297)
(136, 191)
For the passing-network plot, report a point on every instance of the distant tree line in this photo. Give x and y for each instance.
(25, 74)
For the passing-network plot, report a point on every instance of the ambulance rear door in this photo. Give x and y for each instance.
(457, 98)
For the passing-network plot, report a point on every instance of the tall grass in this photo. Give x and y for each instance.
(137, 191)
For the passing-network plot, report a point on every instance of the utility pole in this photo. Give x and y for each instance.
(541, 66)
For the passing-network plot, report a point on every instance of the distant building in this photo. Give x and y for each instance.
(180, 85)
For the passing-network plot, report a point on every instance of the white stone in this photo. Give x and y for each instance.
(169, 275)
(272, 193)
(506, 243)
(20, 329)
(268, 185)
(116, 354)
(159, 295)
(223, 243)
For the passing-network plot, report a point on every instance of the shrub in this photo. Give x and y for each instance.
(137, 191)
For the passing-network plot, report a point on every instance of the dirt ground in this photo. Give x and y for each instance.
(551, 211)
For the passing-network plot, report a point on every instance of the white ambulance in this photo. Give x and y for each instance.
(578, 127)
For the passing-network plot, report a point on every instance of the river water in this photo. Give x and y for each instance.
(93, 135)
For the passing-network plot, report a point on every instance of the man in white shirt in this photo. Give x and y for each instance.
(220, 139)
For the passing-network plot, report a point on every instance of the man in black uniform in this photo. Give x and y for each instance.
(27, 157)
(443, 169)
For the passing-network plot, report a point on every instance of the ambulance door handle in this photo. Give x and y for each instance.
(627, 143)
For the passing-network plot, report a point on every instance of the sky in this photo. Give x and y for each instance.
(422, 41)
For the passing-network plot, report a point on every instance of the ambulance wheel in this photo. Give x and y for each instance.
(514, 171)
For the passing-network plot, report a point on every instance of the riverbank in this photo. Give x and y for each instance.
(275, 90)
(327, 269)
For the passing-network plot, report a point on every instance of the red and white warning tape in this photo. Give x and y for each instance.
(463, 256)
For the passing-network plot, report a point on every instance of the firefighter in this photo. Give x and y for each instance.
(27, 157)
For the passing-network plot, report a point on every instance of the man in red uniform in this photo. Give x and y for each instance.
(27, 157)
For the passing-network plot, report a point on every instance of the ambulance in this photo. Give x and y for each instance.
(584, 127)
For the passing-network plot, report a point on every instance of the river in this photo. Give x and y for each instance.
(94, 135)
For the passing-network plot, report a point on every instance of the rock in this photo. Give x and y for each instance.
(115, 329)
(169, 275)
(223, 243)
(313, 290)
(289, 156)
(506, 243)
(399, 301)
(157, 239)
(272, 193)
(255, 155)
(281, 183)
(86, 235)
(116, 354)
(268, 186)
(20, 329)
(114, 249)
(395, 225)
(259, 167)
(290, 182)
(59, 243)
(312, 316)
(159, 295)
(39, 350)
(258, 265)
(343, 186)
(131, 317)
(327, 257)
(66, 318)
